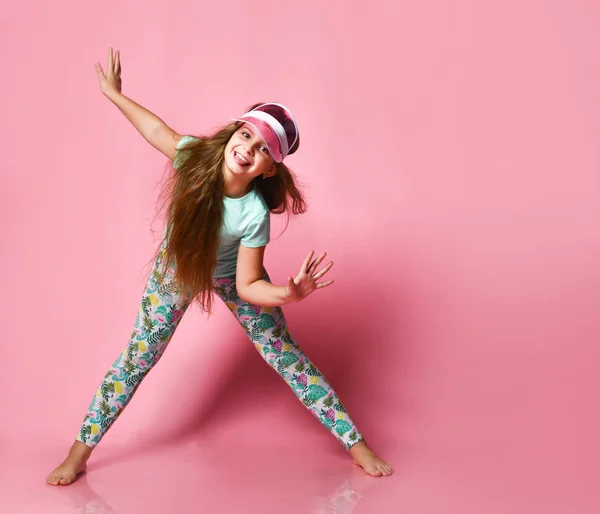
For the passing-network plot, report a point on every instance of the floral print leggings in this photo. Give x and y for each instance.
(161, 310)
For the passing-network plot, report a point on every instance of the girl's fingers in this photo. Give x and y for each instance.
(291, 285)
(319, 274)
(321, 285)
(117, 63)
(306, 261)
(317, 261)
(99, 71)
(110, 61)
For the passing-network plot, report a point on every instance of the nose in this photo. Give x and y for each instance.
(251, 146)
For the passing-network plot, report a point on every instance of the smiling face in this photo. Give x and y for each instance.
(247, 154)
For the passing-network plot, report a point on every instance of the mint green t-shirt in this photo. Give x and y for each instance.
(246, 221)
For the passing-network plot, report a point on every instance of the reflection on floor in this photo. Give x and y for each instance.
(190, 477)
(242, 474)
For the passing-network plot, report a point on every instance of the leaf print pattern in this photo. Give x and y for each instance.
(161, 309)
(268, 330)
(316, 392)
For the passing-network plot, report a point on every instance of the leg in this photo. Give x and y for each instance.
(267, 329)
(161, 310)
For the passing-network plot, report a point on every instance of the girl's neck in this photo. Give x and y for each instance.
(235, 187)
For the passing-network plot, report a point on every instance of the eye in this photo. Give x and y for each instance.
(264, 149)
(244, 134)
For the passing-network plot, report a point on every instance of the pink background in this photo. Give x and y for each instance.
(450, 152)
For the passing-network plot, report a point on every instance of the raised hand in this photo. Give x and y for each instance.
(306, 281)
(111, 82)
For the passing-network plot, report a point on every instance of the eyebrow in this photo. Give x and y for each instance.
(255, 133)
(249, 128)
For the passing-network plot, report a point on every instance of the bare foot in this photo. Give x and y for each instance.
(72, 466)
(363, 456)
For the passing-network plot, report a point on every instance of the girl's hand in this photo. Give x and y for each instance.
(110, 83)
(306, 281)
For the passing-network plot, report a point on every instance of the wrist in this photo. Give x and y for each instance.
(286, 299)
(290, 298)
(112, 95)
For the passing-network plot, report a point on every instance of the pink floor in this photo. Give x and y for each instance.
(222, 474)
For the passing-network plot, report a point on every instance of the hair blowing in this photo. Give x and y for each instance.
(194, 193)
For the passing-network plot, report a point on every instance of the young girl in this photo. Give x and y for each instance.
(223, 189)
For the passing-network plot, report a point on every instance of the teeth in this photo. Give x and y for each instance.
(243, 158)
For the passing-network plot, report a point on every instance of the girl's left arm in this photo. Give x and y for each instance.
(252, 288)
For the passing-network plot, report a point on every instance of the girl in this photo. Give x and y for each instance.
(222, 191)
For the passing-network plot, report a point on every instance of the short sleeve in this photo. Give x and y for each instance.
(182, 142)
(258, 231)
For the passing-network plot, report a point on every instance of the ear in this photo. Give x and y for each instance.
(271, 171)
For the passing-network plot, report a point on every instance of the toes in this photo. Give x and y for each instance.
(376, 467)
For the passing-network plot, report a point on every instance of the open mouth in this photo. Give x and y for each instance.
(241, 160)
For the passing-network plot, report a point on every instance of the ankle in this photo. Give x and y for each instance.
(358, 447)
(80, 450)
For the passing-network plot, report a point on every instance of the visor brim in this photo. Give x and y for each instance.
(267, 134)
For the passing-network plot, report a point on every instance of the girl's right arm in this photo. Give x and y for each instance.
(151, 127)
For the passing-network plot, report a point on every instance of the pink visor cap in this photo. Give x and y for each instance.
(276, 125)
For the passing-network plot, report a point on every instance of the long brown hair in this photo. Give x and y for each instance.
(194, 191)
